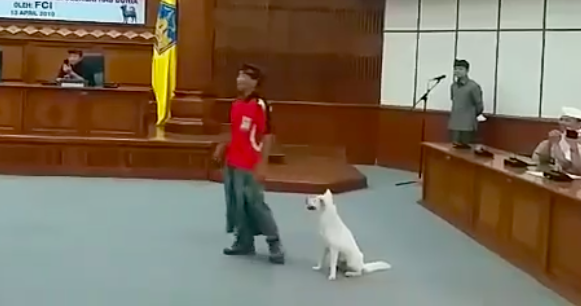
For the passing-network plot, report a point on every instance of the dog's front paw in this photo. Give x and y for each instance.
(317, 268)
(332, 277)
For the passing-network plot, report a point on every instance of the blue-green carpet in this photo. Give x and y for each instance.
(109, 242)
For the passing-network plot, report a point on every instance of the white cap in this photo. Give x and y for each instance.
(571, 112)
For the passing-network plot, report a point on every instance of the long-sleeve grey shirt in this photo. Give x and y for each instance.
(467, 105)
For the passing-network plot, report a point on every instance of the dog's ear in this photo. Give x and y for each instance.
(327, 197)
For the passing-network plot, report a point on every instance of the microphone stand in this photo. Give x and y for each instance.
(424, 99)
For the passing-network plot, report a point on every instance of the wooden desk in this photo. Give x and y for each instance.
(532, 222)
(35, 109)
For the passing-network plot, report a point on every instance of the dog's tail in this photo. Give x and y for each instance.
(376, 266)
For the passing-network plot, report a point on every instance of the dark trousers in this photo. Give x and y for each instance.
(246, 212)
(463, 137)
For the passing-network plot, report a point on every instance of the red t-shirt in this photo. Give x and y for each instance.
(250, 121)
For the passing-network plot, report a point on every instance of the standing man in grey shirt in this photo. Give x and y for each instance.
(467, 105)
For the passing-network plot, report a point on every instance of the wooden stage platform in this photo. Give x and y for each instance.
(107, 132)
(170, 156)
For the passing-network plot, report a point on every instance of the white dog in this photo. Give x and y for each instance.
(340, 245)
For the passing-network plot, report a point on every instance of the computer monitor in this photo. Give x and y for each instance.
(94, 69)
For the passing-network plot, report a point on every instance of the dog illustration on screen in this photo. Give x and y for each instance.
(129, 14)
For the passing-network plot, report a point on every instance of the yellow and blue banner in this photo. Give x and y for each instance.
(164, 65)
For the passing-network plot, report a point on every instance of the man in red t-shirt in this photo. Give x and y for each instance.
(247, 215)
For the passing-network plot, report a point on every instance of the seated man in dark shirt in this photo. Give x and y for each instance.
(71, 68)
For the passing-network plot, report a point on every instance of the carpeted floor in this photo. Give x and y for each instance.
(107, 242)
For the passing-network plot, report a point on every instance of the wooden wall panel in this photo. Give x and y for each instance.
(399, 134)
(195, 46)
(436, 194)
(529, 208)
(489, 204)
(57, 114)
(11, 110)
(13, 63)
(311, 50)
(45, 110)
(128, 65)
(43, 61)
(97, 158)
(565, 246)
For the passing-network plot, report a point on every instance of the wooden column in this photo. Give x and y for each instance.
(191, 109)
(195, 45)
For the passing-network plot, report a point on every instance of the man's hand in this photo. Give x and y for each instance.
(554, 137)
(67, 68)
(219, 153)
(260, 172)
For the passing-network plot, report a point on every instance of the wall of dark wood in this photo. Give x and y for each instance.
(311, 50)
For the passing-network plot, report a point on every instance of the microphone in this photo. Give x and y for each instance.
(439, 78)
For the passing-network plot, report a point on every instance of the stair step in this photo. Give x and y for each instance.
(195, 126)
(337, 153)
(192, 126)
(187, 107)
(188, 126)
(276, 155)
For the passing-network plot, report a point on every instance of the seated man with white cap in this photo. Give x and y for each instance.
(563, 146)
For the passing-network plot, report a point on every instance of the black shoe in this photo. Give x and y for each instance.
(276, 251)
(240, 248)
